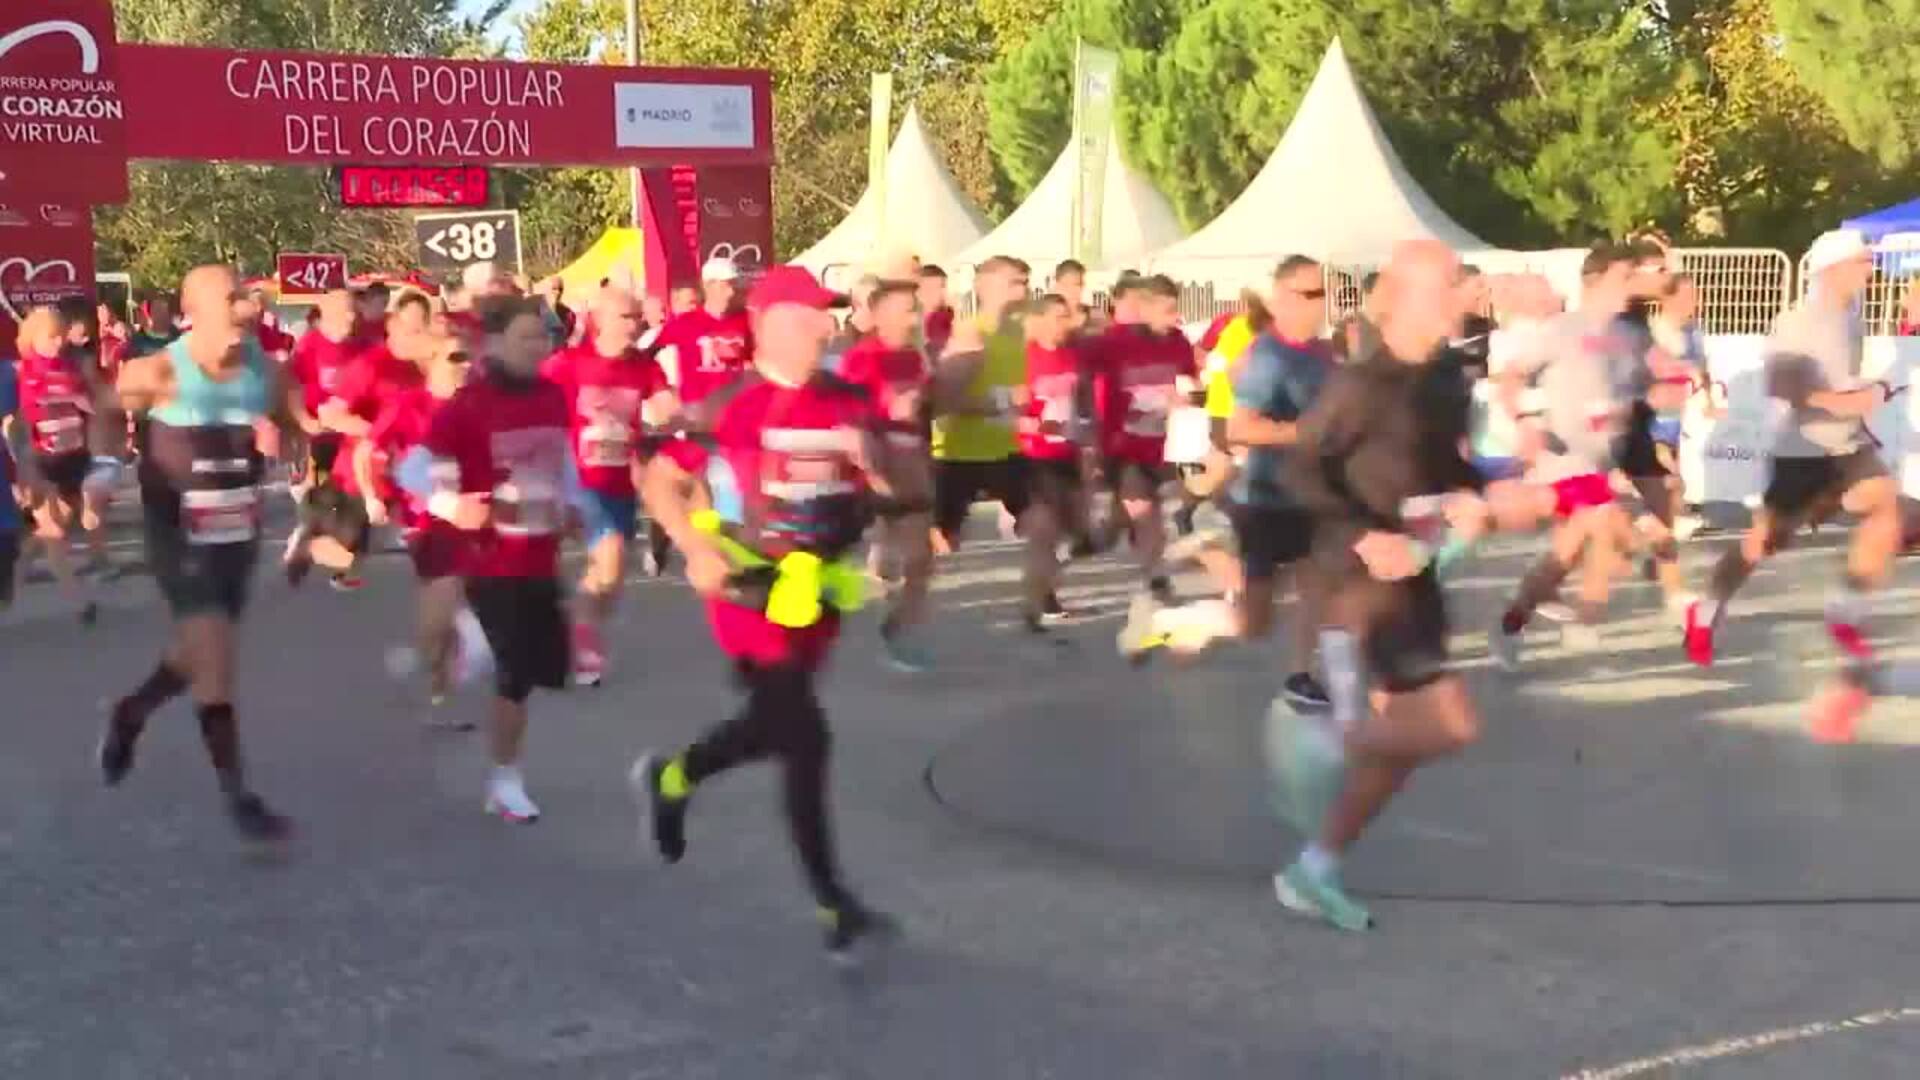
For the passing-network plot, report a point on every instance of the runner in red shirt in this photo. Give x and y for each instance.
(894, 372)
(405, 419)
(370, 314)
(1137, 371)
(610, 388)
(1054, 438)
(706, 348)
(793, 455)
(333, 525)
(57, 395)
(502, 475)
(99, 362)
(936, 314)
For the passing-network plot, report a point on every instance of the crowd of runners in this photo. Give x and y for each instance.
(795, 450)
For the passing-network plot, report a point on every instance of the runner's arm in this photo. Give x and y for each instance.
(667, 491)
(1794, 379)
(952, 383)
(144, 380)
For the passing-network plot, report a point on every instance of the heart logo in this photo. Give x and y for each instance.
(744, 256)
(751, 206)
(716, 208)
(20, 276)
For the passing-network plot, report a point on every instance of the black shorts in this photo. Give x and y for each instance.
(1638, 452)
(1155, 476)
(200, 579)
(1270, 537)
(1804, 486)
(1056, 482)
(1402, 628)
(66, 473)
(328, 511)
(527, 631)
(9, 559)
(323, 451)
(956, 484)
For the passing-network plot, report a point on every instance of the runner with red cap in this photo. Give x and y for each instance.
(794, 455)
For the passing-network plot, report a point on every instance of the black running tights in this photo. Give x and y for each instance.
(782, 719)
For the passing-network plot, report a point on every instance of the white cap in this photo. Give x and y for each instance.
(1835, 247)
(719, 268)
(478, 277)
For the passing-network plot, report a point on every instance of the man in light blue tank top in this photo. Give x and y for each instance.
(205, 396)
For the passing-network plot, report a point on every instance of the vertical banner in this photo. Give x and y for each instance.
(878, 137)
(46, 255)
(1096, 77)
(672, 228)
(736, 216)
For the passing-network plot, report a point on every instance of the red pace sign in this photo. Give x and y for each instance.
(309, 108)
(362, 186)
(303, 274)
(62, 116)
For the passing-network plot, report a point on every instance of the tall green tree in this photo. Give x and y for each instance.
(1863, 58)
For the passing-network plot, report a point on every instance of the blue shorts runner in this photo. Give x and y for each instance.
(604, 515)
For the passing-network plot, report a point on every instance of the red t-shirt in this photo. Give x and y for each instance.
(1053, 403)
(604, 396)
(317, 365)
(897, 381)
(788, 451)
(364, 386)
(404, 421)
(273, 339)
(1135, 372)
(708, 351)
(1211, 339)
(511, 446)
(54, 403)
(938, 328)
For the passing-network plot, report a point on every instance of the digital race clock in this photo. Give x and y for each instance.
(363, 186)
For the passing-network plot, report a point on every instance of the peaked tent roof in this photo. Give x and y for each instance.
(1333, 189)
(1135, 219)
(617, 247)
(926, 213)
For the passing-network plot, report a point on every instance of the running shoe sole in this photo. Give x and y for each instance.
(496, 809)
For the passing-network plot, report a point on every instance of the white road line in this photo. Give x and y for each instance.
(1741, 1045)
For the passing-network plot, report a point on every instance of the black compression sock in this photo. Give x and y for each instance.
(160, 687)
(220, 730)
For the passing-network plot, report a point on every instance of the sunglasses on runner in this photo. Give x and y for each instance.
(1309, 294)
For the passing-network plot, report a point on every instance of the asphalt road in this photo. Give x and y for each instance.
(1640, 860)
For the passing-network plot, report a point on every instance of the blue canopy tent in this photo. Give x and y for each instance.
(1894, 219)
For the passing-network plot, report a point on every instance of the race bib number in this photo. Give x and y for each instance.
(606, 445)
(60, 435)
(527, 506)
(1147, 413)
(222, 516)
(1189, 437)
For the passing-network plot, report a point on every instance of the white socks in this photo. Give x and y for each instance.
(1346, 683)
(1319, 862)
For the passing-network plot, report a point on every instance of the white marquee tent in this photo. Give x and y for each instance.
(1334, 189)
(1135, 220)
(926, 214)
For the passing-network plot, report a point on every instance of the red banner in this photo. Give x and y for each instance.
(736, 216)
(46, 255)
(62, 129)
(305, 275)
(309, 108)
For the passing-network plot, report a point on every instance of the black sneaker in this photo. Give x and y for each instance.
(89, 614)
(255, 821)
(668, 817)
(1305, 693)
(115, 753)
(1162, 589)
(852, 928)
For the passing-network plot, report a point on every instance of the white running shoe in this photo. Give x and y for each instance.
(1687, 526)
(1503, 647)
(1556, 612)
(507, 796)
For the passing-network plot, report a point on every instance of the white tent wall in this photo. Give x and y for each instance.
(1334, 189)
(927, 215)
(1135, 218)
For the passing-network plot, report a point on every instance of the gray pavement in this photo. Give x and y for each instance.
(1637, 865)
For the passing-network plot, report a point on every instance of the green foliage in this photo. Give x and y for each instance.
(1863, 58)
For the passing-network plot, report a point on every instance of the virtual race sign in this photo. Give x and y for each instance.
(46, 255)
(62, 118)
(306, 108)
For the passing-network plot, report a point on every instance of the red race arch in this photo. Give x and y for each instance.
(76, 106)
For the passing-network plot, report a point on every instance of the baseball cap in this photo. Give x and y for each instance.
(790, 285)
(1834, 247)
(719, 268)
